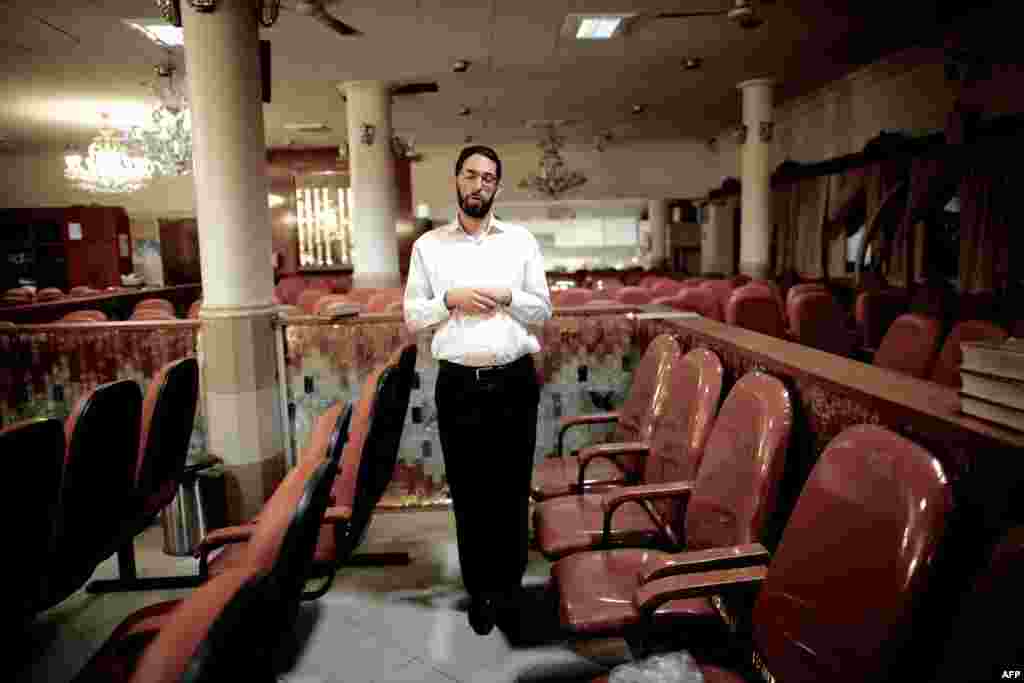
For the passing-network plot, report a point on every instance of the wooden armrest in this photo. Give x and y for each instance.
(577, 420)
(712, 559)
(650, 596)
(608, 451)
(612, 500)
(336, 514)
(224, 536)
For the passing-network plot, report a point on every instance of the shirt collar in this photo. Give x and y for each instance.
(493, 228)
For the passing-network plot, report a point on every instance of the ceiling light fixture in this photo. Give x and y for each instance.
(112, 164)
(460, 66)
(465, 111)
(638, 109)
(595, 26)
(692, 63)
(166, 141)
(165, 36)
(553, 177)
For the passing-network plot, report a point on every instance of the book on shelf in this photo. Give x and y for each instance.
(1004, 359)
(993, 412)
(1001, 390)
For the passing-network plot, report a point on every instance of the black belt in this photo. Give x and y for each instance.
(486, 372)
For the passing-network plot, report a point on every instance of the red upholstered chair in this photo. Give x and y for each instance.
(34, 452)
(153, 643)
(740, 280)
(754, 307)
(728, 504)
(19, 295)
(602, 300)
(361, 294)
(155, 304)
(379, 302)
(836, 601)
(818, 321)
(980, 646)
(153, 313)
(569, 524)
(84, 316)
(694, 282)
(699, 300)
(102, 436)
(83, 290)
(367, 465)
(648, 281)
(633, 295)
(665, 287)
(577, 296)
(309, 298)
(395, 307)
(168, 415)
(910, 345)
(288, 289)
(947, 367)
(49, 294)
(875, 311)
(193, 310)
(720, 290)
(606, 285)
(796, 290)
(331, 304)
(559, 475)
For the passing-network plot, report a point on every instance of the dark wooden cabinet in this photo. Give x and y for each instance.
(65, 247)
(179, 250)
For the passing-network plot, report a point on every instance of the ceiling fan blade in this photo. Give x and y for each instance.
(699, 13)
(414, 88)
(336, 25)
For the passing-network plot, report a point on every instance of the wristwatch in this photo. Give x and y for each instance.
(444, 300)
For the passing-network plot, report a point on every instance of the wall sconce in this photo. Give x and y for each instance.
(368, 132)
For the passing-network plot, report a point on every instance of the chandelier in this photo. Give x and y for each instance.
(166, 141)
(553, 178)
(111, 165)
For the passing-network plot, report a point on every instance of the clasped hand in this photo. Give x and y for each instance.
(478, 299)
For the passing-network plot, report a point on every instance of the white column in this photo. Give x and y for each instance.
(238, 363)
(657, 216)
(717, 239)
(756, 224)
(374, 185)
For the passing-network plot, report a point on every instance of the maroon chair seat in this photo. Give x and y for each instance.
(367, 466)
(84, 316)
(577, 296)
(150, 643)
(569, 524)
(158, 304)
(753, 307)
(102, 436)
(34, 451)
(698, 300)
(837, 601)
(947, 367)
(818, 321)
(632, 295)
(153, 313)
(559, 475)
(728, 504)
(910, 345)
(665, 287)
(875, 311)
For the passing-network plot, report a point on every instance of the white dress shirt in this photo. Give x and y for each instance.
(503, 255)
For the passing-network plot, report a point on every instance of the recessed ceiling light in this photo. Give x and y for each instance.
(161, 33)
(465, 111)
(595, 26)
(638, 109)
(469, 139)
(460, 65)
(691, 63)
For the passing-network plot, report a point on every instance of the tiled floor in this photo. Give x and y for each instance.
(404, 623)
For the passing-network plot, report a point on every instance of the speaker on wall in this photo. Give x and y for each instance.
(265, 69)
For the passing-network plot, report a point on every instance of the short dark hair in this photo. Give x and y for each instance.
(482, 150)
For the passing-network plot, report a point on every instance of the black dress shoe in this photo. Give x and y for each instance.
(482, 614)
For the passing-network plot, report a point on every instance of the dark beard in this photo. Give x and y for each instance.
(478, 211)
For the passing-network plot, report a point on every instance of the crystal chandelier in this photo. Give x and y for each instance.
(111, 165)
(554, 178)
(166, 141)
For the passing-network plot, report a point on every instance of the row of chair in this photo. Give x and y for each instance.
(147, 309)
(308, 529)
(97, 481)
(29, 295)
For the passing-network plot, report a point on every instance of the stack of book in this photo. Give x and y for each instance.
(992, 378)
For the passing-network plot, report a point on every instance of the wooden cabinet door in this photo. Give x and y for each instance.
(179, 250)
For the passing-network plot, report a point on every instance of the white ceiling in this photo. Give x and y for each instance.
(68, 60)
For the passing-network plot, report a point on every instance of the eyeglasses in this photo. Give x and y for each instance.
(488, 179)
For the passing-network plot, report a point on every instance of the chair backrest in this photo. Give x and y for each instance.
(632, 295)
(84, 316)
(361, 295)
(368, 462)
(720, 291)
(235, 623)
(754, 307)
(665, 287)
(577, 296)
(637, 412)
(910, 345)
(193, 310)
(152, 314)
(682, 423)
(801, 288)
(34, 450)
(102, 437)
(168, 415)
(817, 320)
(49, 294)
(740, 280)
(288, 289)
(947, 367)
(737, 483)
(379, 302)
(854, 558)
(330, 303)
(159, 304)
(308, 299)
(875, 311)
(83, 290)
(699, 300)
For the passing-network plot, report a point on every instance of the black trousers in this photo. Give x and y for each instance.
(487, 422)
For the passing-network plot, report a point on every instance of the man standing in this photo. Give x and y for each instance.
(481, 282)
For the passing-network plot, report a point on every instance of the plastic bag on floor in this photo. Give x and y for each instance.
(674, 667)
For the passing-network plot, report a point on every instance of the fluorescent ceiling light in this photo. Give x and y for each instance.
(595, 26)
(162, 34)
